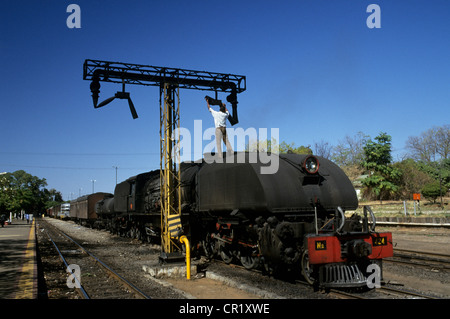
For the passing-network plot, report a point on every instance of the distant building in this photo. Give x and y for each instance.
(358, 184)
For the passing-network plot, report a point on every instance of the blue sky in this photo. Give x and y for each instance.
(314, 70)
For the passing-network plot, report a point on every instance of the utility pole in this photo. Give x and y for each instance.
(116, 167)
(169, 81)
(93, 181)
(440, 182)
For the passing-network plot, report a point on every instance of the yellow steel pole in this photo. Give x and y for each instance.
(184, 240)
(169, 168)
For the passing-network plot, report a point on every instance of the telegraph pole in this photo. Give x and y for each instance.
(93, 181)
(116, 167)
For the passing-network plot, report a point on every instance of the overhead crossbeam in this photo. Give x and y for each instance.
(128, 73)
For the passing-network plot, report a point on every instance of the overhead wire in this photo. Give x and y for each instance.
(67, 167)
(73, 154)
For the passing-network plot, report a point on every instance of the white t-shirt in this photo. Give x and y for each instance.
(220, 118)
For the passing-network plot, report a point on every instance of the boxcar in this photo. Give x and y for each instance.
(82, 209)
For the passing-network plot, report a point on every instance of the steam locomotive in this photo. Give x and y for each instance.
(292, 220)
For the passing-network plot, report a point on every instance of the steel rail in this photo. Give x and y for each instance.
(79, 288)
(421, 252)
(333, 292)
(385, 289)
(420, 259)
(110, 271)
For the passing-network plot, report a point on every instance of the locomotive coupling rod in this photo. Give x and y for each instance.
(184, 240)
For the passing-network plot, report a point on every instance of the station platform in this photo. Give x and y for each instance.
(18, 264)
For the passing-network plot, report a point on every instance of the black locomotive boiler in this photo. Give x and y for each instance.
(293, 219)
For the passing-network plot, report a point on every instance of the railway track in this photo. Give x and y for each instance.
(90, 276)
(379, 293)
(384, 292)
(403, 293)
(73, 251)
(429, 260)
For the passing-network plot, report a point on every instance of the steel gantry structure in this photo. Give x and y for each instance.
(170, 81)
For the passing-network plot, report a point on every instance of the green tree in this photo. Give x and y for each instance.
(439, 170)
(263, 146)
(433, 190)
(21, 190)
(383, 177)
(53, 197)
(412, 178)
(273, 146)
(291, 148)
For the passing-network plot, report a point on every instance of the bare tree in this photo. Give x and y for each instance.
(323, 149)
(430, 145)
(443, 141)
(350, 151)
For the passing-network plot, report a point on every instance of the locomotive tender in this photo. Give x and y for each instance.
(291, 220)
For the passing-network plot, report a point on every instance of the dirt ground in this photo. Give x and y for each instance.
(127, 254)
(205, 288)
(421, 239)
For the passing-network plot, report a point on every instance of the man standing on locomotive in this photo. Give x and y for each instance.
(221, 127)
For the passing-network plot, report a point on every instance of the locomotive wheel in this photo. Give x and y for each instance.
(132, 232)
(307, 270)
(209, 246)
(249, 262)
(226, 254)
(138, 235)
(249, 259)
